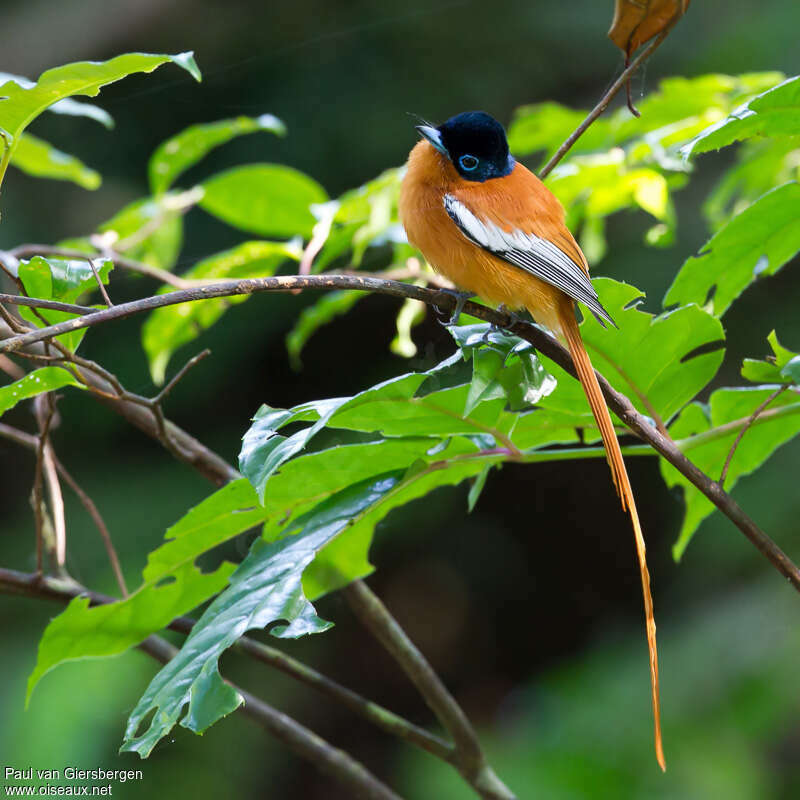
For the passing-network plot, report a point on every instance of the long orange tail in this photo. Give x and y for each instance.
(586, 373)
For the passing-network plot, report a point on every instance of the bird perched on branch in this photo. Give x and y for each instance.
(490, 225)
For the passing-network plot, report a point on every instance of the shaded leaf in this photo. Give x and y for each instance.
(172, 585)
(775, 112)
(150, 229)
(774, 427)
(185, 149)
(40, 159)
(266, 588)
(266, 199)
(754, 244)
(169, 327)
(46, 379)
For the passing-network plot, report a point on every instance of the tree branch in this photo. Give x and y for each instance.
(469, 758)
(221, 472)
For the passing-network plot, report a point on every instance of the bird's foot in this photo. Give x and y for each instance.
(513, 317)
(461, 298)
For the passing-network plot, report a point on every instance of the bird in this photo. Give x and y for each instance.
(489, 225)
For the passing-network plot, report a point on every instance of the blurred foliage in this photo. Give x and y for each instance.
(493, 401)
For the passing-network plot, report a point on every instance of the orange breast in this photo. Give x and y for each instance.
(518, 200)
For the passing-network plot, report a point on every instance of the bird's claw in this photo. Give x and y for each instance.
(461, 299)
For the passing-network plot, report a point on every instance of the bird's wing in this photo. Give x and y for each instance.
(536, 255)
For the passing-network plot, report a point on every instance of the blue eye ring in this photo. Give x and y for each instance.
(468, 163)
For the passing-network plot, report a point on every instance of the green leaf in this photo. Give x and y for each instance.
(411, 313)
(775, 112)
(172, 585)
(775, 368)
(266, 588)
(40, 159)
(185, 149)
(168, 328)
(46, 379)
(313, 317)
(22, 105)
(779, 423)
(754, 244)
(68, 107)
(60, 279)
(151, 229)
(266, 199)
(662, 383)
(761, 165)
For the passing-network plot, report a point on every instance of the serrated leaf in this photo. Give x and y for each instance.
(45, 379)
(761, 165)
(185, 149)
(767, 433)
(774, 368)
(170, 327)
(150, 229)
(313, 317)
(265, 199)
(265, 589)
(662, 383)
(23, 104)
(754, 244)
(775, 112)
(40, 159)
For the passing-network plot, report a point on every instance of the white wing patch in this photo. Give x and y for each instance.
(535, 255)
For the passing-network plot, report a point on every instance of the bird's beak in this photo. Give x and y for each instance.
(433, 136)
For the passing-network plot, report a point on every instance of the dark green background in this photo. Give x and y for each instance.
(530, 607)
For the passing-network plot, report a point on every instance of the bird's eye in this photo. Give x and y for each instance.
(468, 163)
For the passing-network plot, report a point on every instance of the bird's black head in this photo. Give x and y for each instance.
(475, 143)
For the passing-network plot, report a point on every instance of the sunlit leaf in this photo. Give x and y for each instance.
(64, 280)
(169, 327)
(754, 244)
(266, 199)
(411, 313)
(776, 368)
(185, 149)
(23, 104)
(40, 159)
(45, 379)
(68, 107)
(775, 112)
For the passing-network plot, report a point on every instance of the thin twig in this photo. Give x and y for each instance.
(469, 758)
(44, 420)
(750, 420)
(183, 370)
(12, 369)
(37, 302)
(103, 291)
(220, 472)
(302, 741)
(605, 100)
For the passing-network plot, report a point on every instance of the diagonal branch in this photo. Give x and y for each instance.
(469, 758)
(221, 472)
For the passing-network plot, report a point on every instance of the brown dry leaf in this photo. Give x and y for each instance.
(638, 21)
